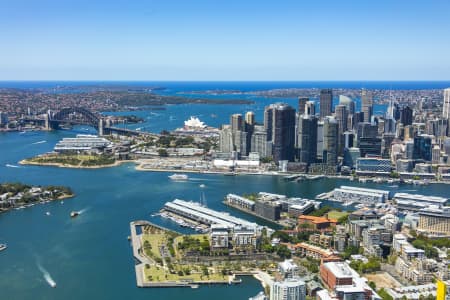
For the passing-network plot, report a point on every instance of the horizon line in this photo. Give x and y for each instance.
(177, 80)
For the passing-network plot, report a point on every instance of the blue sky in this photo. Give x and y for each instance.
(224, 40)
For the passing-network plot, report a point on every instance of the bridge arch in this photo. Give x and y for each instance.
(83, 116)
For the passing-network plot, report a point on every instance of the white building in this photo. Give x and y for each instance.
(355, 194)
(290, 289)
(82, 142)
(446, 104)
(288, 268)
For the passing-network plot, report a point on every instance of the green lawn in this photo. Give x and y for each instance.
(155, 241)
(158, 274)
(334, 214)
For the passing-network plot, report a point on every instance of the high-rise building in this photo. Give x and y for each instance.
(310, 108)
(250, 118)
(3, 118)
(241, 142)
(386, 143)
(307, 139)
(406, 115)
(301, 104)
(341, 113)
(348, 102)
(423, 147)
(226, 139)
(436, 154)
(259, 142)
(358, 117)
(350, 156)
(370, 146)
(326, 102)
(330, 141)
(367, 130)
(236, 122)
(289, 289)
(367, 104)
(320, 140)
(282, 130)
(446, 104)
(268, 121)
(348, 139)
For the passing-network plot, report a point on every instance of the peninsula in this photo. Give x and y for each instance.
(19, 195)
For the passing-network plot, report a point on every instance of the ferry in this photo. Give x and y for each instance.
(179, 177)
(3, 247)
(74, 214)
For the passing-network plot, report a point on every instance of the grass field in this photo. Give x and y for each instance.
(334, 214)
(155, 241)
(158, 274)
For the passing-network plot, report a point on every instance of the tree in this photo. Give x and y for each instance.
(384, 295)
(283, 236)
(283, 251)
(163, 152)
(372, 285)
(343, 219)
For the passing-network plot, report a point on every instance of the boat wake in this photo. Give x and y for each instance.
(40, 142)
(47, 276)
(11, 166)
(201, 179)
(83, 210)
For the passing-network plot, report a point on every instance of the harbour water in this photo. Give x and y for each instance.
(89, 257)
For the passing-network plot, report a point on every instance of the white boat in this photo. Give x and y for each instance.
(48, 213)
(3, 247)
(179, 177)
(202, 185)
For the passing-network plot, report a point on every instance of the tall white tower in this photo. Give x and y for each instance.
(446, 104)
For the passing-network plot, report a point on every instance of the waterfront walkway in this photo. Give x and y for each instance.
(137, 248)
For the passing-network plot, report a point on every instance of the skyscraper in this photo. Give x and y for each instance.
(367, 104)
(226, 139)
(259, 142)
(301, 104)
(282, 130)
(423, 147)
(341, 117)
(310, 108)
(348, 102)
(250, 118)
(341, 114)
(326, 102)
(406, 115)
(307, 138)
(446, 104)
(236, 122)
(330, 141)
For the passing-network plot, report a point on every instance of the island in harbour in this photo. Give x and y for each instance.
(89, 161)
(19, 195)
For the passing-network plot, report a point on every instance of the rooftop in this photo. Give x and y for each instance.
(317, 220)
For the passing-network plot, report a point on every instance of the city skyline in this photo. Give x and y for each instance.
(224, 41)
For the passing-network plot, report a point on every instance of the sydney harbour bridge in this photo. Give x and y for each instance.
(79, 116)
